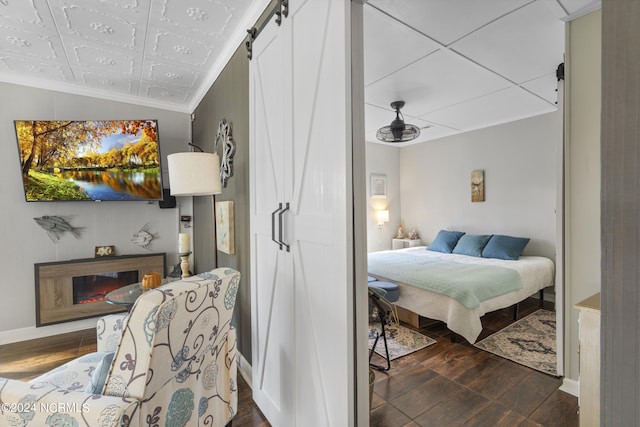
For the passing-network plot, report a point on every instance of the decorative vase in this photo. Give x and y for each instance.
(400, 233)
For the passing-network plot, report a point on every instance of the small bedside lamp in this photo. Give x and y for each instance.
(383, 216)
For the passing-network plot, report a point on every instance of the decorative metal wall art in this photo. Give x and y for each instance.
(228, 150)
(57, 225)
(143, 238)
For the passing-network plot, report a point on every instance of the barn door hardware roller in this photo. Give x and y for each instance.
(280, 9)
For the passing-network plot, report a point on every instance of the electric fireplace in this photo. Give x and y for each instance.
(73, 290)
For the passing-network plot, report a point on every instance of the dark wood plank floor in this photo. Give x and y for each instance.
(446, 384)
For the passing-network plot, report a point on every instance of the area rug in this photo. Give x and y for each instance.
(400, 340)
(530, 341)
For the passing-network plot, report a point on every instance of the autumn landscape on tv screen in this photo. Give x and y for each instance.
(89, 160)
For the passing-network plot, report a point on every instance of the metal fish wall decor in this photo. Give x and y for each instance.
(57, 225)
(143, 238)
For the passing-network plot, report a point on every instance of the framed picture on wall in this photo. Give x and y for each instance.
(225, 227)
(378, 185)
(477, 186)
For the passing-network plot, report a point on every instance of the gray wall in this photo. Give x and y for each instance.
(108, 223)
(228, 99)
(620, 391)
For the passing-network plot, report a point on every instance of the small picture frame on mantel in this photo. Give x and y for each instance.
(378, 185)
(102, 251)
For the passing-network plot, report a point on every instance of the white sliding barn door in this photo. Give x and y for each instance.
(302, 298)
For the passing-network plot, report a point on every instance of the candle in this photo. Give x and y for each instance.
(183, 243)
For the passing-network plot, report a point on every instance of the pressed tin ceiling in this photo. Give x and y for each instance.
(163, 53)
(458, 64)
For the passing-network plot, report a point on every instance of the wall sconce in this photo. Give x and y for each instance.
(194, 173)
(383, 216)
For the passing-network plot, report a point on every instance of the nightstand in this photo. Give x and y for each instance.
(405, 243)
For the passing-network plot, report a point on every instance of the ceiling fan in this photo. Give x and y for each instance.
(398, 130)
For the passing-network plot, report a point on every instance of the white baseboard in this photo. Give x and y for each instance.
(31, 332)
(570, 386)
(245, 369)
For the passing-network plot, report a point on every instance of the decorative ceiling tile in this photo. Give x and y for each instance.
(177, 76)
(163, 93)
(100, 27)
(204, 16)
(26, 43)
(20, 10)
(35, 69)
(105, 61)
(132, 5)
(181, 49)
(108, 82)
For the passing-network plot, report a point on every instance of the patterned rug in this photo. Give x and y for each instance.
(400, 340)
(530, 341)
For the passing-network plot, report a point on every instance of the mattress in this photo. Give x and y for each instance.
(535, 273)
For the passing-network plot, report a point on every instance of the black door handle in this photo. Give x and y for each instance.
(286, 208)
(273, 226)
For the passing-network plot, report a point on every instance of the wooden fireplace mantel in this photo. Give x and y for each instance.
(54, 284)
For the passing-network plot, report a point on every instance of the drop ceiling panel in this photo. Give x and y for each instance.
(445, 20)
(390, 45)
(521, 46)
(499, 107)
(376, 117)
(434, 82)
(545, 87)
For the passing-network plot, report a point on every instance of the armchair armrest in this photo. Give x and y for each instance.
(109, 330)
(38, 404)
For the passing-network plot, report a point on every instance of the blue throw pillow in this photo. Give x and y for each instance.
(504, 247)
(471, 245)
(445, 241)
(99, 376)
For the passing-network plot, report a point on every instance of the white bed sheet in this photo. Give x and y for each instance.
(536, 273)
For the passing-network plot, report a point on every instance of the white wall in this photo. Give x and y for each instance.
(519, 160)
(383, 160)
(108, 223)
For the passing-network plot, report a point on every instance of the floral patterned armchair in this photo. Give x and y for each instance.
(170, 362)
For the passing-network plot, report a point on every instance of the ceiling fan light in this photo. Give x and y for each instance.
(398, 130)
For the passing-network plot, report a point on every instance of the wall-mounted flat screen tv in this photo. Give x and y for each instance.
(96, 160)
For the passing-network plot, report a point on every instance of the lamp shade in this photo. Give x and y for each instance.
(194, 174)
(383, 216)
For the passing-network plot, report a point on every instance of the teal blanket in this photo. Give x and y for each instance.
(468, 283)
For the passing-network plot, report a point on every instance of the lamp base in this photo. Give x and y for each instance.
(184, 264)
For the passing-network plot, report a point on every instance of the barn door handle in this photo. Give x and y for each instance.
(273, 226)
(286, 208)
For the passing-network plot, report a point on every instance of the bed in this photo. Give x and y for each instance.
(459, 289)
